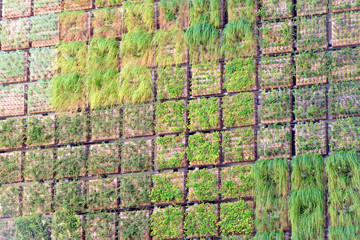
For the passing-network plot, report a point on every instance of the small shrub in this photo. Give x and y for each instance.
(236, 182)
(239, 75)
(170, 151)
(238, 145)
(167, 223)
(275, 106)
(310, 138)
(204, 114)
(170, 117)
(238, 110)
(203, 149)
(171, 82)
(202, 185)
(201, 220)
(168, 188)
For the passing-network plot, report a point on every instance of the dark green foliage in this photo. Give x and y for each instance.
(170, 117)
(166, 223)
(135, 190)
(202, 185)
(32, 227)
(201, 220)
(203, 148)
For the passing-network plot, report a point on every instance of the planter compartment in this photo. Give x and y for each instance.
(276, 72)
(41, 7)
(345, 29)
(310, 138)
(37, 198)
(311, 68)
(238, 145)
(136, 155)
(277, 37)
(312, 33)
(236, 182)
(202, 185)
(206, 79)
(105, 123)
(102, 194)
(70, 162)
(10, 164)
(170, 152)
(107, 23)
(13, 67)
(168, 187)
(171, 83)
(38, 164)
(170, 117)
(138, 120)
(15, 34)
(275, 106)
(39, 96)
(196, 145)
(16, 8)
(103, 159)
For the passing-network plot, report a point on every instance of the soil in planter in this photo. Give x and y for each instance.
(277, 37)
(345, 29)
(206, 79)
(276, 72)
(238, 145)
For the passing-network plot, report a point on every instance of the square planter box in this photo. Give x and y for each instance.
(238, 145)
(208, 12)
(168, 187)
(135, 17)
(204, 114)
(12, 101)
(44, 30)
(310, 138)
(135, 190)
(170, 117)
(199, 215)
(170, 152)
(42, 63)
(74, 26)
(135, 223)
(306, 8)
(310, 103)
(344, 5)
(103, 159)
(138, 120)
(206, 79)
(275, 106)
(38, 164)
(10, 164)
(312, 33)
(37, 198)
(239, 75)
(276, 72)
(344, 99)
(171, 83)
(102, 194)
(173, 15)
(237, 10)
(136, 155)
(39, 96)
(277, 37)
(72, 5)
(345, 29)
(16, 8)
(41, 7)
(311, 68)
(107, 23)
(15, 34)
(7, 228)
(275, 10)
(108, 3)
(197, 143)
(9, 201)
(345, 65)
(344, 134)
(105, 123)
(163, 218)
(71, 127)
(40, 130)
(202, 185)
(13, 67)
(70, 195)
(101, 225)
(274, 141)
(70, 162)
(236, 182)
(12, 133)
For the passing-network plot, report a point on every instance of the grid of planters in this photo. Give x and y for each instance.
(177, 119)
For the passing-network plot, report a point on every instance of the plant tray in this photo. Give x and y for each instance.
(191, 191)
(232, 146)
(147, 148)
(206, 82)
(11, 12)
(276, 72)
(16, 30)
(171, 151)
(227, 176)
(276, 35)
(92, 186)
(178, 179)
(348, 69)
(12, 102)
(106, 117)
(104, 150)
(345, 29)
(338, 5)
(182, 20)
(46, 6)
(73, 5)
(44, 120)
(306, 8)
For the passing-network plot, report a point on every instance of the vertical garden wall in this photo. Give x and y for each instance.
(179, 119)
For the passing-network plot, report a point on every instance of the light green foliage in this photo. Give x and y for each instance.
(205, 79)
(11, 133)
(12, 66)
(310, 138)
(9, 200)
(344, 233)
(136, 155)
(71, 128)
(32, 227)
(103, 54)
(239, 75)
(276, 71)
(43, 63)
(202, 185)
(139, 15)
(166, 222)
(39, 130)
(135, 190)
(272, 9)
(203, 148)
(238, 110)
(236, 181)
(311, 33)
(204, 11)
(201, 220)
(170, 117)
(274, 235)
(204, 114)
(171, 82)
(241, 9)
(72, 58)
(170, 151)
(70, 162)
(312, 67)
(38, 164)
(44, 27)
(10, 167)
(167, 187)
(66, 225)
(70, 195)
(238, 145)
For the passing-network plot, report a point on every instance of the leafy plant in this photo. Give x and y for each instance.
(71, 5)
(274, 141)
(344, 134)
(105, 123)
(107, 22)
(171, 82)
(134, 225)
(304, 7)
(275, 106)
(16, 8)
(238, 110)
(42, 63)
(138, 120)
(13, 67)
(66, 225)
(170, 117)
(277, 37)
(173, 13)
(311, 33)
(311, 67)
(201, 220)
(272, 9)
(345, 64)
(15, 33)
(236, 218)
(135, 190)
(37, 198)
(11, 133)
(46, 6)
(70, 162)
(40, 130)
(136, 155)
(239, 75)
(236, 182)
(74, 26)
(139, 15)
(168, 188)
(100, 225)
(204, 114)
(69, 194)
(103, 159)
(102, 193)
(270, 191)
(10, 164)
(202, 185)
(238, 145)
(339, 5)
(273, 235)
(39, 95)
(241, 9)
(206, 79)
(12, 98)
(344, 99)
(170, 151)
(167, 222)
(310, 103)
(203, 11)
(9, 200)
(276, 71)
(203, 149)
(32, 227)
(38, 164)
(44, 30)
(310, 138)
(344, 28)
(71, 127)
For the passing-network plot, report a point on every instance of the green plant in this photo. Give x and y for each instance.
(241, 9)
(274, 141)
(66, 225)
(344, 134)
(136, 155)
(70, 5)
(9, 200)
(238, 39)
(311, 33)
(343, 170)
(170, 47)
(277, 37)
(74, 26)
(173, 13)
(274, 235)
(170, 151)
(238, 110)
(275, 106)
(105, 123)
(344, 232)
(46, 6)
(40, 130)
(134, 225)
(344, 5)
(39, 95)
(138, 120)
(168, 188)
(203, 42)
(271, 9)
(206, 79)
(203, 149)
(107, 22)
(167, 222)
(201, 220)
(36, 198)
(135, 190)
(44, 30)
(236, 218)
(239, 75)
(311, 67)
(71, 127)
(70, 194)
(270, 191)
(100, 225)
(276, 71)
(42, 63)
(170, 117)
(13, 67)
(15, 33)
(344, 99)
(310, 138)
(236, 182)
(32, 227)
(12, 98)
(108, 3)
(103, 159)
(11, 133)
(38, 164)
(204, 114)
(171, 82)
(102, 193)
(344, 30)
(202, 185)
(139, 15)
(70, 162)
(310, 103)
(238, 145)
(305, 7)
(16, 8)
(103, 54)
(72, 58)
(345, 64)
(10, 164)
(204, 11)
(7, 229)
